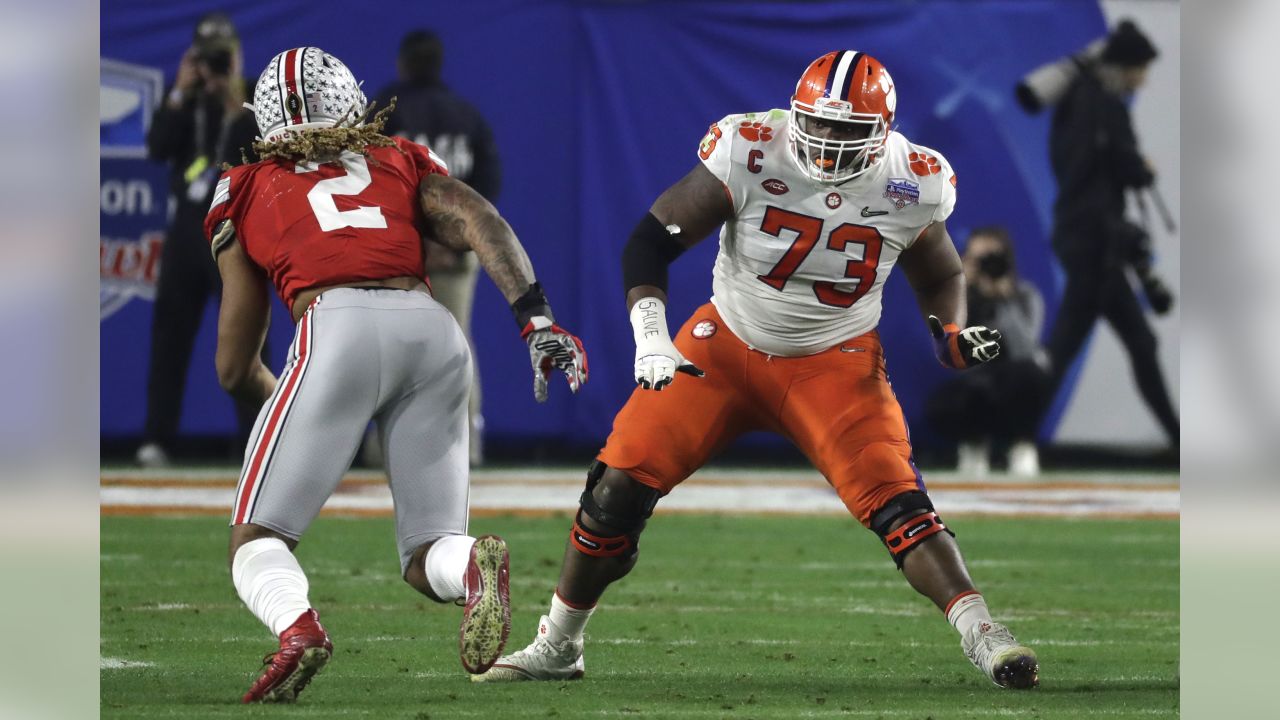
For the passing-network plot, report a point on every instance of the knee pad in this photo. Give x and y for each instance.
(616, 517)
(921, 523)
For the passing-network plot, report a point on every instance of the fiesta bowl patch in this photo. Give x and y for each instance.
(902, 192)
(704, 329)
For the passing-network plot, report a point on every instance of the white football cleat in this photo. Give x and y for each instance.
(996, 652)
(542, 660)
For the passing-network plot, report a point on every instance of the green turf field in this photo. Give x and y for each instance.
(724, 617)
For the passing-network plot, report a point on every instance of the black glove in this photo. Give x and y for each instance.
(961, 349)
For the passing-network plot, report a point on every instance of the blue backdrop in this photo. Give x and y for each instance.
(597, 107)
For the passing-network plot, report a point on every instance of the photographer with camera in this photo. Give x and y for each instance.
(1096, 161)
(997, 404)
(200, 123)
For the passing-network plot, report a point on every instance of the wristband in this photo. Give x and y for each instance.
(533, 303)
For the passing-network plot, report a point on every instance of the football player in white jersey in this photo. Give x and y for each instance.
(816, 206)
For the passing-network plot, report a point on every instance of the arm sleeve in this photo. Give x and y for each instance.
(486, 173)
(171, 130)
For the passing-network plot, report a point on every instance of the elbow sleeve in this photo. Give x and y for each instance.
(647, 254)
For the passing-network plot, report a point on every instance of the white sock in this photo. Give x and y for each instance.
(966, 610)
(446, 566)
(567, 622)
(270, 582)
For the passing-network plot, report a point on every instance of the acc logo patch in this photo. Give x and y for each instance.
(774, 186)
(704, 329)
(902, 192)
(833, 200)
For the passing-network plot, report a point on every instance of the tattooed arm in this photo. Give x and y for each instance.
(461, 219)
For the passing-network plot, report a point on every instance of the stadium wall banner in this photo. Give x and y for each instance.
(591, 128)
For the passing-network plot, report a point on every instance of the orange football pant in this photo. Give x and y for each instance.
(835, 406)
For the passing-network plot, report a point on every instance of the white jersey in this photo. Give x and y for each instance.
(802, 265)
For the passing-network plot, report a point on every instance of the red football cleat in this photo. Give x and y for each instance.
(486, 620)
(304, 650)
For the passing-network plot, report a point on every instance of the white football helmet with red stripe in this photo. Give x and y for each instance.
(843, 88)
(304, 88)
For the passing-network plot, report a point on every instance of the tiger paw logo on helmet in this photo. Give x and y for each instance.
(755, 132)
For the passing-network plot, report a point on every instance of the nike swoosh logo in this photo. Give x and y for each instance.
(852, 349)
(868, 212)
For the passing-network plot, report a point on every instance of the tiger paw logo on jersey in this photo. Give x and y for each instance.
(922, 164)
(704, 330)
(833, 200)
(902, 192)
(755, 132)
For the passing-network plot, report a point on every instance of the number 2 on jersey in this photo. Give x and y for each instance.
(808, 229)
(353, 183)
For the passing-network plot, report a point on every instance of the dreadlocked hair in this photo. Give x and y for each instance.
(353, 132)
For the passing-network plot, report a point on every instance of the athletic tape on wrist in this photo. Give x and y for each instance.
(649, 322)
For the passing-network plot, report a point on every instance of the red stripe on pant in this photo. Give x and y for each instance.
(274, 420)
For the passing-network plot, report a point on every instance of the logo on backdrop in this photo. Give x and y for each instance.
(133, 195)
(127, 94)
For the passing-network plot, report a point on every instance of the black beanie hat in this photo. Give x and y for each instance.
(1128, 47)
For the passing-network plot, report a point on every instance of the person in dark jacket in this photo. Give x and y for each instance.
(999, 403)
(1096, 160)
(429, 113)
(200, 123)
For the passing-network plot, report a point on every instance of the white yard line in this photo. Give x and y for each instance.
(111, 663)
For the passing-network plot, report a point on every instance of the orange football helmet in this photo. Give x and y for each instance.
(846, 88)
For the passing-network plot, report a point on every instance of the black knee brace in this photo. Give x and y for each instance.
(622, 508)
(922, 522)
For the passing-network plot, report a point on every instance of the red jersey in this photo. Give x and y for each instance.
(307, 225)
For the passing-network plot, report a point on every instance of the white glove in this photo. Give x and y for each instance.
(657, 359)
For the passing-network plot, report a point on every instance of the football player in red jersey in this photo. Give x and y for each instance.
(816, 206)
(334, 218)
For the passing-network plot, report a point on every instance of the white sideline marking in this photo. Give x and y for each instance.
(515, 497)
(110, 663)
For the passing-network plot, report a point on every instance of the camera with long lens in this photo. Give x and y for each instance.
(994, 265)
(217, 59)
(215, 42)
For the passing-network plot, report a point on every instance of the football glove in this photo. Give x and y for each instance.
(552, 347)
(961, 349)
(657, 359)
